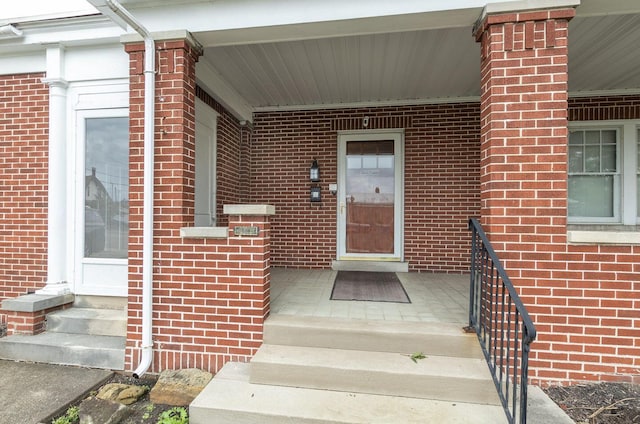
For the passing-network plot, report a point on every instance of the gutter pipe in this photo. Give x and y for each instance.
(147, 221)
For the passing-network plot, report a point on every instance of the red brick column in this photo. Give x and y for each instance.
(210, 285)
(524, 159)
(524, 127)
(174, 159)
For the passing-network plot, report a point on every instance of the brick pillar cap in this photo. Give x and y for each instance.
(261, 210)
(523, 10)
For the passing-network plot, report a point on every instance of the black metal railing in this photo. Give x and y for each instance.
(502, 323)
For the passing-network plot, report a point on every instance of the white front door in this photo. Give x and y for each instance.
(370, 195)
(102, 202)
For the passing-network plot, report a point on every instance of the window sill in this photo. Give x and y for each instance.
(204, 232)
(603, 237)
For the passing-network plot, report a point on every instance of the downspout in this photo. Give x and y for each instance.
(147, 220)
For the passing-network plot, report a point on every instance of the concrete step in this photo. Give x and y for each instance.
(66, 349)
(383, 373)
(377, 336)
(100, 302)
(100, 322)
(231, 399)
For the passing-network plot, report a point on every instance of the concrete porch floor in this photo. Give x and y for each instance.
(434, 297)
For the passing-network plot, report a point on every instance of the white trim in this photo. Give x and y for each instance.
(382, 103)
(23, 64)
(629, 205)
(397, 134)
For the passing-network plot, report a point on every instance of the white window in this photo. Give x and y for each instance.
(604, 173)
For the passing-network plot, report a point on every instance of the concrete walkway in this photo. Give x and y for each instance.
(34, 393)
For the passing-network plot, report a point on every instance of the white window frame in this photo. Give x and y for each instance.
(621, 230)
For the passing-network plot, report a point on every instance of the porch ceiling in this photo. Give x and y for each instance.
(410, 66)
(356, 69)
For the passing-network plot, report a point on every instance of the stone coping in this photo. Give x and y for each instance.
(258, 210)
(36, 302)
(204, 232)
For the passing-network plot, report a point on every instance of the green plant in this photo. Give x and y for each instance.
(177, 415)
(147, 411)
(418, 355)
(70, 417)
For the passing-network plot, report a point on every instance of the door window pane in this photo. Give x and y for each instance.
(106, 187)
(370, 190)
(638, 172)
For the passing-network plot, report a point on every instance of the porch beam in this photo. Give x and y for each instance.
(209, 79)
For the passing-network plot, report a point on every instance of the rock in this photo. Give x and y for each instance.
(102, 411)
(179, 387)
(123, 393)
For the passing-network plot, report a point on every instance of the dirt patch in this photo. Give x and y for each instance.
(601, 403)
(143, 411)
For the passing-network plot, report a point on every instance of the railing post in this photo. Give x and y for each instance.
(472, 277)
(524, 375)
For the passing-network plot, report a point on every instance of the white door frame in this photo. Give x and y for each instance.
(93, 276)
(205, 162)
(397, 135)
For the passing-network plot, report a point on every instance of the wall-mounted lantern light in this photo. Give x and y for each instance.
(314, 172)
(314, 176)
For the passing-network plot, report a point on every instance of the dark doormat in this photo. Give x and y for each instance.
(369, 286)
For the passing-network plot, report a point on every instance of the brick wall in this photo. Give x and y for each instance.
(24, 123)
(441, 180)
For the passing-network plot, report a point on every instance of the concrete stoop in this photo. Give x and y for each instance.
(93, 335)
(321, 370)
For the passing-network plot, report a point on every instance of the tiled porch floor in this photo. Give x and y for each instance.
(434, 297)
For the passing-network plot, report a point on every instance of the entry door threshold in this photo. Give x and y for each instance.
(373, 266)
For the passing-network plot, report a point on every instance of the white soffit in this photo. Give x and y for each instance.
(359, 69)
(607, 7)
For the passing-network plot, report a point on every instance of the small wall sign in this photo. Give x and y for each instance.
(246, 231)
